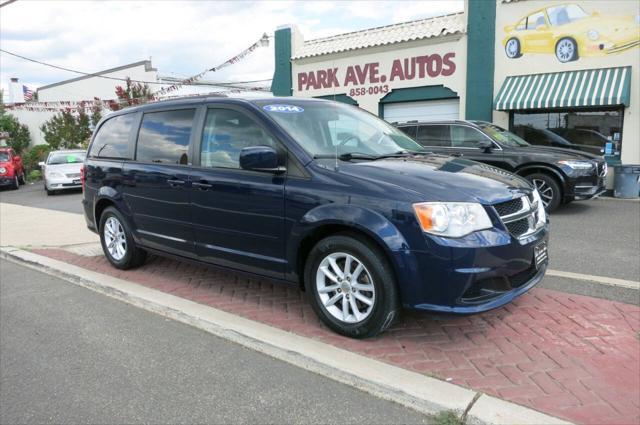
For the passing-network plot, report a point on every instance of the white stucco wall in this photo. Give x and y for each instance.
(33, 120)
(535, 63)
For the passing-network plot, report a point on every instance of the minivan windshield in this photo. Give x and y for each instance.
(329, 129)
(501, 135)
(66, 158)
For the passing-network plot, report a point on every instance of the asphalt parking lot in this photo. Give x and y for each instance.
(599, 237)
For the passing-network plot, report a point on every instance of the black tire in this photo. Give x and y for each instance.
(386, 305)
(548, 187)
(21, 179)
(567, 43)
(516, 52)
(16, 183)
(133, 256)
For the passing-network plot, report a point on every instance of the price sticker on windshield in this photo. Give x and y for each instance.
(287, 109)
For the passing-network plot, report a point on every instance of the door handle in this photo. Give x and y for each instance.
(202, 186)
(175, 182)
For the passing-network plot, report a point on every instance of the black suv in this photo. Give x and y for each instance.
(561, 175)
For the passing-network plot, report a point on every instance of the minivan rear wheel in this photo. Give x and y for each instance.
(351, 286)
(117, 243)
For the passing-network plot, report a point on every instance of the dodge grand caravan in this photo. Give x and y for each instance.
(316, 193)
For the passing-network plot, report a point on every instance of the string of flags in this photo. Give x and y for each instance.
(85, 105)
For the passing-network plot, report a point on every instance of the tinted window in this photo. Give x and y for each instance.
(164, 137)
(465, 137)
(434, 135)
(112, 140)
(409, 130)
(226, 133)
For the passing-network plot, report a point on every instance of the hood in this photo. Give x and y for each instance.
(65, 168)
(556, 154)
(440, 178)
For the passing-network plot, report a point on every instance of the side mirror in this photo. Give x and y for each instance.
(484, 145)
(41, 164)
(260, 158)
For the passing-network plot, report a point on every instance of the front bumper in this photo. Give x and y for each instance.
(475, 275)
(6, 180)
(63, 183)
(585, 188)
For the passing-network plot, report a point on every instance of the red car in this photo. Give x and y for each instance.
(11, 169)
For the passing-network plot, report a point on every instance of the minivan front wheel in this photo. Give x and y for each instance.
(117, 243)
(351, 286)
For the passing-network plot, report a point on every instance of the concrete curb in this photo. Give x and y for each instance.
(422, 393)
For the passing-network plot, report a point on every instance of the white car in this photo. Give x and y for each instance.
(61, 170)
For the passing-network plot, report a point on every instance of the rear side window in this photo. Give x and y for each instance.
(434, 135)
(164, 137)
(226, 133)
(112, 140)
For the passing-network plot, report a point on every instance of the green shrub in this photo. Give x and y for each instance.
(33, 156)
(34, 175)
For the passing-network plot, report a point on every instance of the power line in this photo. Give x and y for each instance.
(97, 74)
(7, 3)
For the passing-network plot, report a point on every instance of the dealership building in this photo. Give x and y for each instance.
(543, 69)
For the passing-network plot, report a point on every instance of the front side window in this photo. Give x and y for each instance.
(327, 129)
(66, 158)
(112, 140)
(465, 137)
(502, 136)
(565, 14)
(164, 137)
(226, 133)
(434, 135)
(535, 20)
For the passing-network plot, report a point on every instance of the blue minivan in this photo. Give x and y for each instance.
(318, 193)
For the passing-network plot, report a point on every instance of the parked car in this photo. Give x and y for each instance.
(570, 32)
(62, 169)
(11, 169)
(318, 193)
(560, 175)
(554, 137)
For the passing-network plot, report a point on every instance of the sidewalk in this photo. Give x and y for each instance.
(570, 356)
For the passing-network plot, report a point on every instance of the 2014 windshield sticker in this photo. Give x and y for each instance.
(287, 109)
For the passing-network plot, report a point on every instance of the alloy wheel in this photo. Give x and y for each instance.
(115, 239)
(512, 48)
(565, 50)
(345, 287)
(546, 191)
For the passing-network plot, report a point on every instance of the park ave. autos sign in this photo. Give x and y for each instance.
(373, 78)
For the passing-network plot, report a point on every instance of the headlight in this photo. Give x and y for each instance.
(593, 35)
(3, 170)
(55, 174)
(577, 165)
(451, 219)
(542, 214)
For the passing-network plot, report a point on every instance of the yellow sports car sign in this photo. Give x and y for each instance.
(569, 32)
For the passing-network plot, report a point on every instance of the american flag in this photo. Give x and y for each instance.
(27, 92)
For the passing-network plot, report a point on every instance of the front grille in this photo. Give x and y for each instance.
(73, 175)
(519, 227)
(509, 207)
(518, 215)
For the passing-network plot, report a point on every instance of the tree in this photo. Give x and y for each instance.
(132, 94)
(19, 137)
(68, 129)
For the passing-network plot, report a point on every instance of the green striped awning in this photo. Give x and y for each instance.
(586, 88)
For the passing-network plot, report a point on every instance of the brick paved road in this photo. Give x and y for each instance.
(571, 356)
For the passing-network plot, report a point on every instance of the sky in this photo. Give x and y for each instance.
(182, 38)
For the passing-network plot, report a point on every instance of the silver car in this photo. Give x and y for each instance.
(61, 170)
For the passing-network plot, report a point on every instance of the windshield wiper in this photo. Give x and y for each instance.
(365, 156)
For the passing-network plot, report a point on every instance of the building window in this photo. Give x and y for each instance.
(598, 132)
